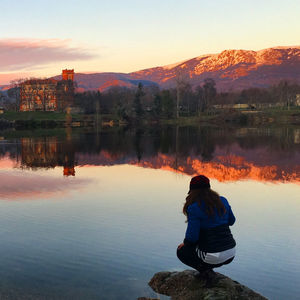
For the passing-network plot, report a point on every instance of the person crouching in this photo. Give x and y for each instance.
(208, 241)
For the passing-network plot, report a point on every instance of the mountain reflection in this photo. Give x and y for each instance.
(222, 154)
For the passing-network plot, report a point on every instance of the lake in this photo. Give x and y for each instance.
(93, 215)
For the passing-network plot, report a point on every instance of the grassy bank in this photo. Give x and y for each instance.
(33, 115)
(267, 117)
(23, 120)
(276, 116)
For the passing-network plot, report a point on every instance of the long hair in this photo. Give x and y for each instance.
(210, 198)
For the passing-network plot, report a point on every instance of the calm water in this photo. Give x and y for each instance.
(88, 215)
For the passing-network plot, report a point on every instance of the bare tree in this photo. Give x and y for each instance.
(14, 91)
(182, 82)
(209, 92)
(199, 95)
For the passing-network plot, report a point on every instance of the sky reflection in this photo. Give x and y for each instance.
(109, 228)
(21, 185)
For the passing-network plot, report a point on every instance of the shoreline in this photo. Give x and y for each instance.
(48, 120)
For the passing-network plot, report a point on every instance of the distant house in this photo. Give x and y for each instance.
(234, 106)
(242, 106)
(1, 110)
(297, 101)
(47, 94)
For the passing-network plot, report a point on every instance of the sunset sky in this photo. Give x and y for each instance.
(41, 37)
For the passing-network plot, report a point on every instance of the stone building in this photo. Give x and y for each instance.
(48, 94)
(68, 74)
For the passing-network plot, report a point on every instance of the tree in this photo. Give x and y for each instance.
(2, 99)
(157, 105)
(138, 109)
(118, 99)
(209, 93)
(14, 91)
(187, 96)
(200, 98)
(181, 85)
(168, 104)
(89, 102)
(287, 92)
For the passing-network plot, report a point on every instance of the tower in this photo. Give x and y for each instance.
(68, 74)
(69, 171)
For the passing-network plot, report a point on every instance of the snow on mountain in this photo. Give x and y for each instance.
(233, 69)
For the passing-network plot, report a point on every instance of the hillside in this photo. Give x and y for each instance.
(103, 81)
(231, 70)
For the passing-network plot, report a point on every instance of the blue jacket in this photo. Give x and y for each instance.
(211, 234)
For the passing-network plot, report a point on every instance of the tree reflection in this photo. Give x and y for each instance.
(226, 153)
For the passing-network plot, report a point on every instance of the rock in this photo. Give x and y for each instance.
(186, 286)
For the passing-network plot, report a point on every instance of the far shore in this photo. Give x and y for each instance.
(267, 117)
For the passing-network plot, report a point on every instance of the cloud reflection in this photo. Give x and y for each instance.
(24, 185)
(8, 163)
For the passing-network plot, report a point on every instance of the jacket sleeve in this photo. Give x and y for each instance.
(193, 228)
(231, 218)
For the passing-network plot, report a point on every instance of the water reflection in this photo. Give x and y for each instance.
(15, 185)
(105, 240)
(48, 152)
(223, 154)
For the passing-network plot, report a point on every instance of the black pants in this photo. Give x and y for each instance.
(188, 255)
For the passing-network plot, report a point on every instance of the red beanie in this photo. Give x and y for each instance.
(199, 182)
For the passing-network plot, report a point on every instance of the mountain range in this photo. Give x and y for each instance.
(231, 70)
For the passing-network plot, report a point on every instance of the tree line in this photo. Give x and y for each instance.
(149, 101)
(183, 100)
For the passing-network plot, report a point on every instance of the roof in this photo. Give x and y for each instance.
(39, 81)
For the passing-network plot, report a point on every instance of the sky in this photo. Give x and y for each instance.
(39, 38)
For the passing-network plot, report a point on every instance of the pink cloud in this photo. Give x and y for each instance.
(25, 186)
(28, 54)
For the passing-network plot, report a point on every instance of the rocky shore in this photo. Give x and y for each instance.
(186, 286)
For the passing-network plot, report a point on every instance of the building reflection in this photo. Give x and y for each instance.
(48, 152)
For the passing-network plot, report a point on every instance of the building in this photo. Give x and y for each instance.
(48, 94)
(297, 101)
(68, 74)
(1, 110)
